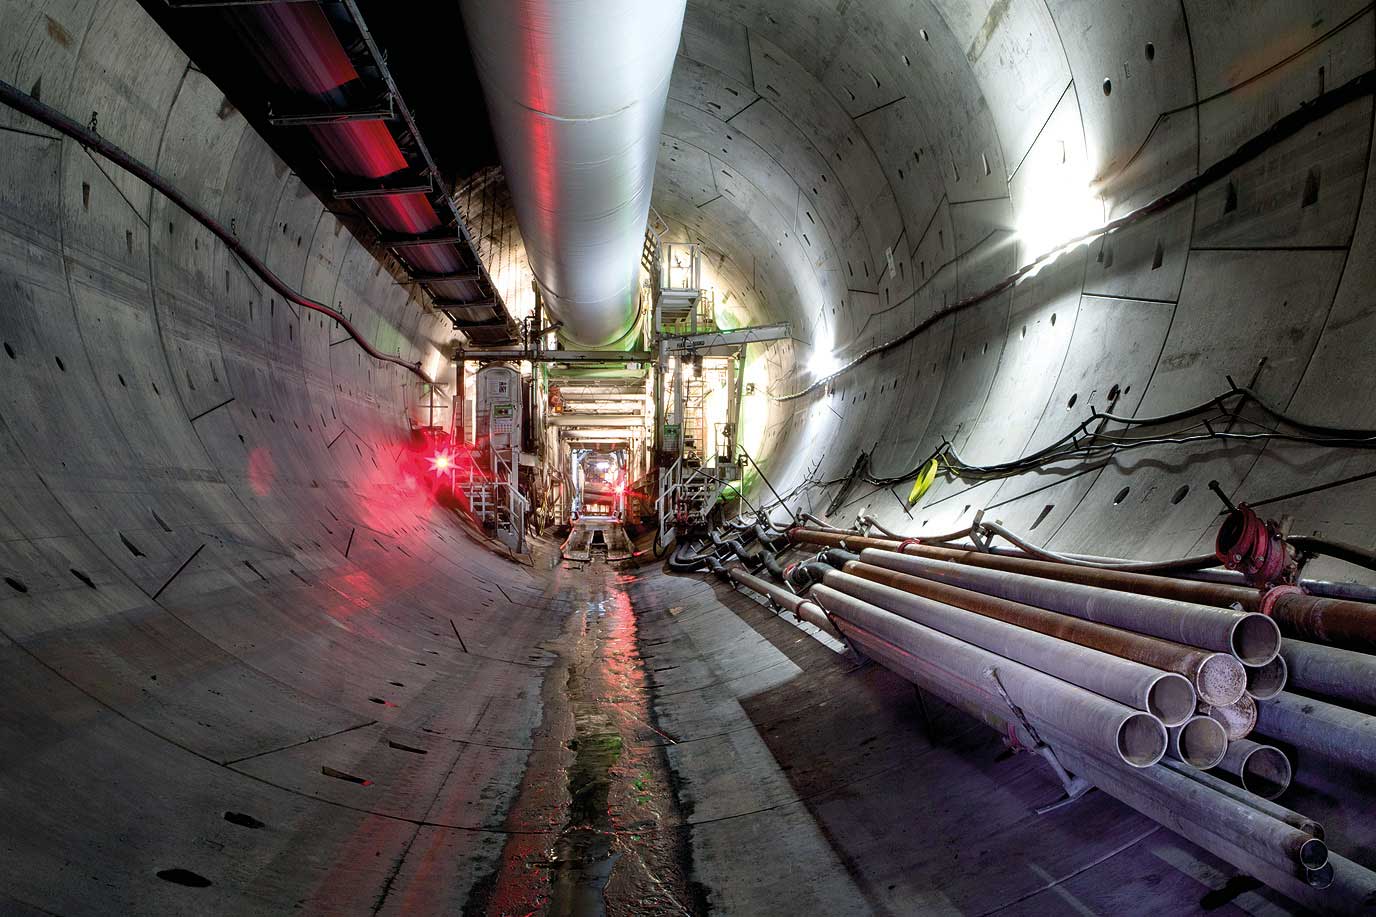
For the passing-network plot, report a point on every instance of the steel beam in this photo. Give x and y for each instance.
(722, 343)
(452, 277)
(560, 356)
(446, 305)
(447, 237)
(336, 116)
(413, 185)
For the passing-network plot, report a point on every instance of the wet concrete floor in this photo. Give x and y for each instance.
(598, 780)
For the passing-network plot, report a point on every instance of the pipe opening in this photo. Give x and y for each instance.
(1141, 740)
(1221, 680)
(1238, 719)
(1171, 699)
(1266, 772)
(1313, 854)
(1266, 681)
(1200, 743)
(1319, 878)
(1255, 639)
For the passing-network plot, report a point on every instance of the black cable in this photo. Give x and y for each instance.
(45, 114)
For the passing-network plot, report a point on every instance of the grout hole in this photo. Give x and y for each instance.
(1041, 517)
(1108, 87)
(15, 584)
(83, 577)
(9, 350)
(340, 775)
(1071, 403)
(1151, 51)
(411, 748)
(1122, 495)
(184, 877)
(133, 548)
(242, 820)
(1180, 494)
(60, 365)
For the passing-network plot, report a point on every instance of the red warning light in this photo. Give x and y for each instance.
(441, 462)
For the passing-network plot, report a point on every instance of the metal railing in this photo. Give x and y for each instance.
(686, 500)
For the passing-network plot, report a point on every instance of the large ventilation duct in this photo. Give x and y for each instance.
(576, 90)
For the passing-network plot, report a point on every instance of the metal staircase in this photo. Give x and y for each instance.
(686, 499)
(494, 502)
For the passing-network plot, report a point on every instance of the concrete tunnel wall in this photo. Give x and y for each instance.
(266, 596)
(210, 550)
(856, 171)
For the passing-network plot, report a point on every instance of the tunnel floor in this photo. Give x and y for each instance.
(453, 732)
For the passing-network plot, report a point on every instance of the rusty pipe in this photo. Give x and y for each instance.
(1253, 638)
(1337, 621)
(1238, 718)
(1166, 695)
(1130, 736)
(1261, 769)
(1218, 678)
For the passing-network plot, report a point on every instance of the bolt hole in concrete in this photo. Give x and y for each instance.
(1151, 51)
(1108, 87)
(243, 821)
(184, 877)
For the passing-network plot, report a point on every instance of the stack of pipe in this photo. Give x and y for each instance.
(1147, 686)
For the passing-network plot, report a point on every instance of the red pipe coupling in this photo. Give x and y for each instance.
(1254, 546)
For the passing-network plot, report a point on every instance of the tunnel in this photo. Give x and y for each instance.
(1106, 266)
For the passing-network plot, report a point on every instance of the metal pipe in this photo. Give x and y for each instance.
(1133, 737)
(1199, 742)
(993, 712)
(1266, 681)
(1248, 798)
(1328, 620)
(802, 608)
(1218, 678)
(1238, 718)
(1342, 735)
(1253, 638)
(1331, 672)
(1166, 695)
(576, 92)
(1257, 842)
(1261, 769)
(1185, 805)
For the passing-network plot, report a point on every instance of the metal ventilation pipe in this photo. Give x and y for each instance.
(576, 90)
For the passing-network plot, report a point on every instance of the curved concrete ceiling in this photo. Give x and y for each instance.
(248, 666)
